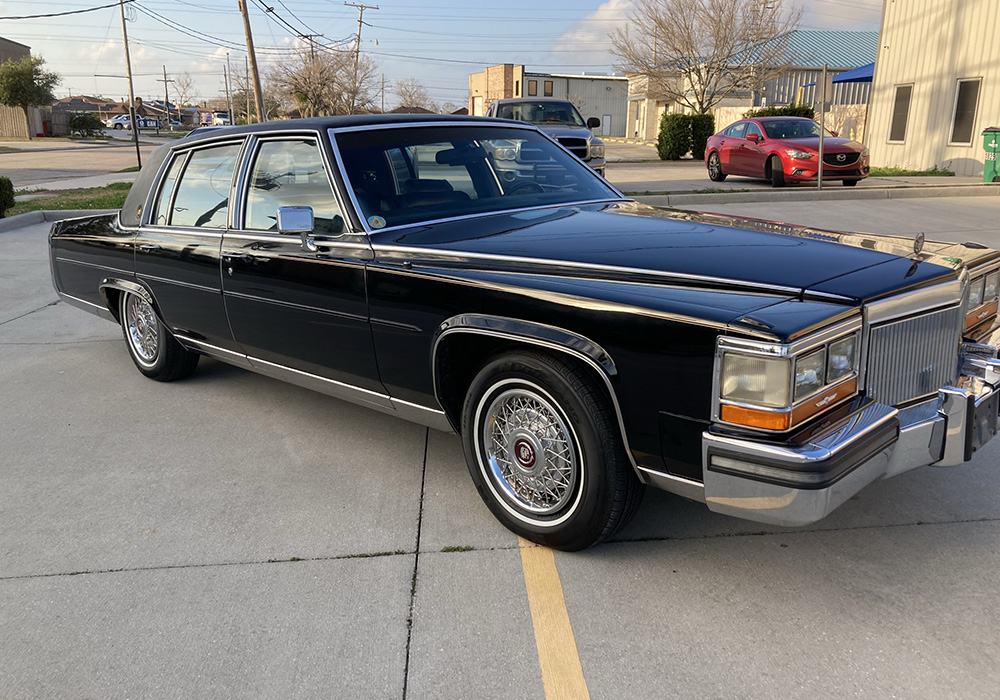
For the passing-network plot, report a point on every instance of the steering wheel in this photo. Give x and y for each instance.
(526, 188)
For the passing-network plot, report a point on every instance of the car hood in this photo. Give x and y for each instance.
(564, 131)
(627, 240)
(830, 145)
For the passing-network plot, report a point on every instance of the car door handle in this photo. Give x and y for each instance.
(237, 257)
(149, 248)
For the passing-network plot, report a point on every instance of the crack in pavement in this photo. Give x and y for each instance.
(502, 548)
(41, 308)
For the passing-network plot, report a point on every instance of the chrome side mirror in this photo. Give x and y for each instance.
(298, 220)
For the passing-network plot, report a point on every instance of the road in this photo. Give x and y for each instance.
(233, 536)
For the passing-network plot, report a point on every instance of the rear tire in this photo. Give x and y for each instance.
(715, 173)
(153, 350)
(777, 172)
(545, 452)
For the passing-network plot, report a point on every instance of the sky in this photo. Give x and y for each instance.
(437, 42)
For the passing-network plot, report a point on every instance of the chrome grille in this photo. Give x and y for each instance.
(913, 357)
(835, 158)
(577, 146)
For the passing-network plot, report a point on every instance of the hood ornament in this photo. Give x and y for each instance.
(918, 243)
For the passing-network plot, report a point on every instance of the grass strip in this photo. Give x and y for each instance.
(108, 197)
(903, 172)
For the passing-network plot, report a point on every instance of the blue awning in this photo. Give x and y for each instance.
(862, 74)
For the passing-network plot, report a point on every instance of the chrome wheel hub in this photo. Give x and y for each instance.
(140, 320)
(530, 451)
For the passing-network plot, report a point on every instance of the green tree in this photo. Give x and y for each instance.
(26, 84)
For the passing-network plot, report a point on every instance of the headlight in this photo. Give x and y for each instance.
(800, 155)
(777, 387)
(810, 374)
(840, 358)
(597, 150)
(505, 153)
(976, 292)
(864, 153)
(761, 381)
(992, 286)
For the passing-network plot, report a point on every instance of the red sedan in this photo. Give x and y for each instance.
(783, 149)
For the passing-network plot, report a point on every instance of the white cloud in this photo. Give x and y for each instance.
(587, 41)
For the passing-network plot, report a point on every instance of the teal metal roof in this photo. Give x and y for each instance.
(811, 48)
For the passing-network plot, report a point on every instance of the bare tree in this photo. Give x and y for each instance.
(183, 88)
(412, 93)
(325, 83)
(698, 52)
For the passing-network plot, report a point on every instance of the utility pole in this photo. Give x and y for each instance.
(246, 75)
(131, 92)
(258, 94)
(166, 98)
(383, 93)
(229, 91)
(357, 47)
(312, 44)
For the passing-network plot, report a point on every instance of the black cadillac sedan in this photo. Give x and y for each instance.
(584, 346)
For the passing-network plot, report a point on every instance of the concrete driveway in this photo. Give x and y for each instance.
(231, 536)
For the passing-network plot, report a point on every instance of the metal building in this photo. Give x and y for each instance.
(937, 84)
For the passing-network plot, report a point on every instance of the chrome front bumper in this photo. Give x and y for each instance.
(798, 484)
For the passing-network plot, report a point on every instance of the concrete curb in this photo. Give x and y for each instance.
(672, 200)
(38, 217)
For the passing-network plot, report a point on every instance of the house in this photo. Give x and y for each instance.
(936, 85)
(12, 51)
(602, 96)
(12, 121)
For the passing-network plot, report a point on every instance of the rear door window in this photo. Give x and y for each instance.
(202, 198)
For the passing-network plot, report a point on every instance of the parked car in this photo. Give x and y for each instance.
(582, 345)
(782, 150)
(221, 119)
(560, 120)
(124, 121)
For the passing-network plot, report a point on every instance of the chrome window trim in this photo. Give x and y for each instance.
(430, 253)
(334, 131)
(798, 347)
(551, 346)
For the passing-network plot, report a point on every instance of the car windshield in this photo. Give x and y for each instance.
(793, 129)
(407, 175)
(541, 112)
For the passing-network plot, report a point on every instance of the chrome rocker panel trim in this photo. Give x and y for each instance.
(801, 484)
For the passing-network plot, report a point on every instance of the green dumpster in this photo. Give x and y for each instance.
(991, 144)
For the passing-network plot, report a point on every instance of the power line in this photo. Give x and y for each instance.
(69, 12)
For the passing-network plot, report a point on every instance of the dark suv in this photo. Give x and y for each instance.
(560, 120)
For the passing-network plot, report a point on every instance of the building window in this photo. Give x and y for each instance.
(900, 114)
(532, 88)
(966, 102)
(547, 86)
(517, 88)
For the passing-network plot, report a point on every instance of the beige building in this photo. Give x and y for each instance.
(12, 51)
(601, 96)
(937, 84)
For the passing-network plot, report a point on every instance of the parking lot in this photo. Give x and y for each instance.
(232, 536)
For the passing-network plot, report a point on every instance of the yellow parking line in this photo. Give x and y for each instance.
(562, 674)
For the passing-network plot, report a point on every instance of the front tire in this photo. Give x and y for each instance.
(153, 350)
(777, 172)
(715, 173)
(545, 453)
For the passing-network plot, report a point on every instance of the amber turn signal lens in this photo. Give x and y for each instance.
(754, 418)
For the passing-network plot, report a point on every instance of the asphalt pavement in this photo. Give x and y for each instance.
(233, 536)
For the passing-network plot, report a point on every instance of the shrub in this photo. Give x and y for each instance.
(86, 124)
(702, 126)
(6, 195)
(786, 111)
(675, 136)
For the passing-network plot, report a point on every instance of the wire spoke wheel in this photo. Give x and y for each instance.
(142, 328)
(530, 451)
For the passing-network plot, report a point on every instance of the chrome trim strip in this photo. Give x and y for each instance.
(95, 266)
(686, 488)
(295, 240)
(543, 262)
(376, 398)
(186, 285)
(88, 306)
(916, 302)
(551, 346)
(290, 305)
(955, 410)
(801, 346)
(229, 356)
